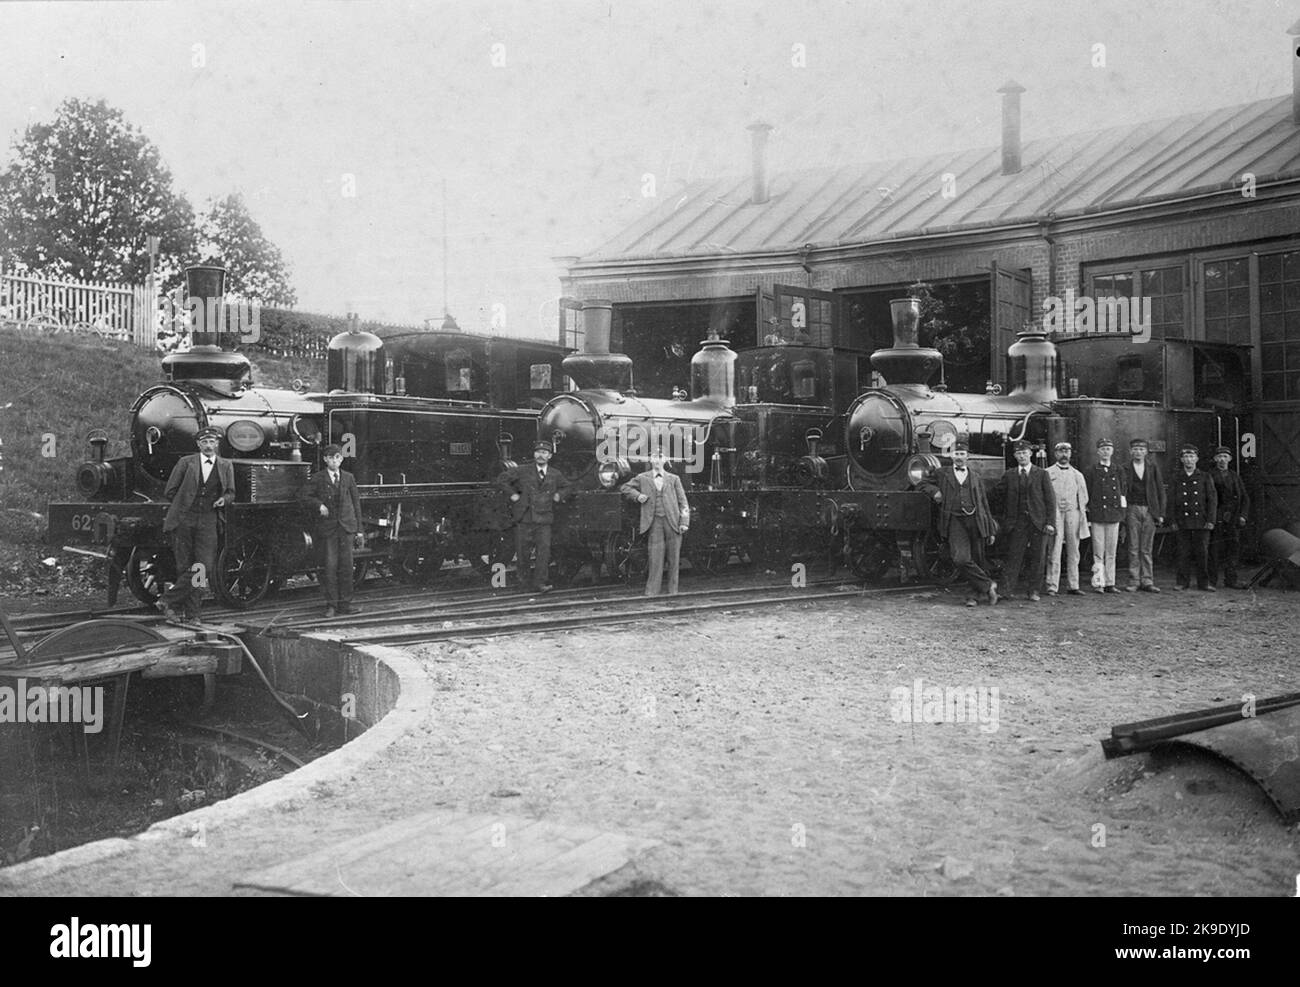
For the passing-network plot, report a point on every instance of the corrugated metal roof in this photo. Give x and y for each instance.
(1073, 174)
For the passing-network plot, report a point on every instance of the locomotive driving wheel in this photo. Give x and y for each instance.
(149, 572)
(626, 557)
(243, 574)
(419, 564)
(871, 559)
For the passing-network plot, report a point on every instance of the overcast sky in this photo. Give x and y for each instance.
(544, 154)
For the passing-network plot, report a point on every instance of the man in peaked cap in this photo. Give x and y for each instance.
(1145, 489)
(200, 485)
(1029, 514)
(335, 504)
(534, 490)
(1107, 502)
(1234, 509)
(1071, 491)
(965, 521)
(1193, 506)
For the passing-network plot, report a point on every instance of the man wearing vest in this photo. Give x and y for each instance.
(335, 503)
(534, 491)
(965, 521)
(1145, 512)
(1107, 501)
(1193, 506)
(1029, 514)
(1071, 492)
(1234, 508)
(666, 515)
(199, 486)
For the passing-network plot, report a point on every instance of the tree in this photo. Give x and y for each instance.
(82, 195)
(233, 239)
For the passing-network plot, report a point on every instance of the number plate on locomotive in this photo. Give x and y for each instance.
(461, 449)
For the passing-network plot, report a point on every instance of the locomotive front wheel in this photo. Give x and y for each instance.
(243, 572)
(626, 558)
(149, 572)
(418, 566)
(871, 561)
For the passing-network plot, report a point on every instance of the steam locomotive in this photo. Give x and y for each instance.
(428, 419)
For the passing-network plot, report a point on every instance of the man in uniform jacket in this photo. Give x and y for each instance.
(1071, 492)
(1029, 514)
(666, 515)
(1192, 509)
(1145, 490)
(1107, 500)
(332, 497)
(1193, 506)
(534, 490)
(1234, 508)
(965, 520)
(199, 486)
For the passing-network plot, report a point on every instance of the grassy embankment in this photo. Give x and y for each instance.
(67, 386)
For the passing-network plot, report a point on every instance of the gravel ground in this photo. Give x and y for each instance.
(764, 751)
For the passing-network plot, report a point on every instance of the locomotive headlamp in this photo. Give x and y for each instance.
(918, 467)
(245, 436)
(609, 473)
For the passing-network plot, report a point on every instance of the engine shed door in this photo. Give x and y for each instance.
(1010, 294)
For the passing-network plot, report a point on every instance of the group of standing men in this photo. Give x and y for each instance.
(1047, 512)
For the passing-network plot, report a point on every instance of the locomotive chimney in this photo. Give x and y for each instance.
(1294, 44)
(1011, 91)
(1033, 366)
(906, 362)
(211, 361)
(596, 367)
(758, 146)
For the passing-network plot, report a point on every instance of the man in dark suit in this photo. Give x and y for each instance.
(1193, 506)
(1028, 513)
(534, 491)
(965, 520)
(200, 485)
(1144, 513)
(335, 503)
(1234, 508)
(666, 515)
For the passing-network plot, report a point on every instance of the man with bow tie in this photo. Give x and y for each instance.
(534, 491)
(1029, 515)
(965, 521)
(666, 515)
(335, 503)
(200, 485)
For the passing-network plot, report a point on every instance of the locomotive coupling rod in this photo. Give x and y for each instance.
(1133, 738)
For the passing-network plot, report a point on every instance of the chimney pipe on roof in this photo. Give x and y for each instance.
(1011, 91)
(1294, 31)
(759, 145)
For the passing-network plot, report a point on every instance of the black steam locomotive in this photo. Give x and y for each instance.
(427, 419)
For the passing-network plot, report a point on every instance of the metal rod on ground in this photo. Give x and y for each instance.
(1133, 738)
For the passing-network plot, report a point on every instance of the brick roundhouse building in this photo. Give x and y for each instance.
(1200, 214)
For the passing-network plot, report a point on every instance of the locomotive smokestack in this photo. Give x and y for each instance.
(1011, 127)
(762, 190)
(596, 366)
(907, 361)
(1294, 44)
(1033, 366)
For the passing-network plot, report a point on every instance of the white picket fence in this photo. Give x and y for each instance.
(118, 311)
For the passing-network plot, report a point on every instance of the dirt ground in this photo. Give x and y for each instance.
(764, 751)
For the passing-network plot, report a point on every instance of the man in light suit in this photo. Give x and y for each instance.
(666, 515)
(332, 497)
(1071, 492)
(534, 491)
(1029, 514)
(200, 485)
